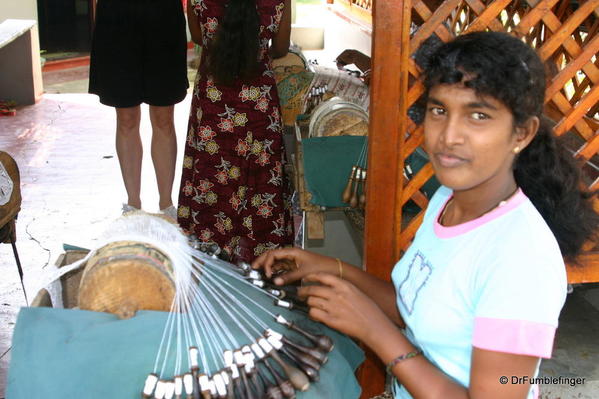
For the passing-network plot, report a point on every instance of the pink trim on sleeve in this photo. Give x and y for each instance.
(452, 231)
(514, 336)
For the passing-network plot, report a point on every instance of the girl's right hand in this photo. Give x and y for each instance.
(305, 263)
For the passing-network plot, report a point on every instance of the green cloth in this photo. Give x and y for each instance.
(69, 247)
(66, 353)
(328, 163)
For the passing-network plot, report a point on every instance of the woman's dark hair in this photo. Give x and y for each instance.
(503, 67)
(233, 53)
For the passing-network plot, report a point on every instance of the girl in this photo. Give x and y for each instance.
(475, 300)
(139, 53)
(233, 191)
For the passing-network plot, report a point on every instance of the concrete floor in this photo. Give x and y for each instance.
(71, 187)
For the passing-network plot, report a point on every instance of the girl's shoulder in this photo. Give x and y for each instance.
(438, 200)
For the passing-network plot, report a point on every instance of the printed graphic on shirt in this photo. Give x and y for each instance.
(417, 276)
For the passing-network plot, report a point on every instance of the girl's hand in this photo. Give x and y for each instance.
(296, 263)
(342, 306)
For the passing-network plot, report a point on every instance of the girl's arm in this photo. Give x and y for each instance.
(424, 380)
(280, 42)
(342, 306)
(380, 291)
(194, 27)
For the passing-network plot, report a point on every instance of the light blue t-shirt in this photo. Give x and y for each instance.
(497, 283)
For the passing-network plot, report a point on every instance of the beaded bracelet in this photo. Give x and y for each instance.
(401, 358)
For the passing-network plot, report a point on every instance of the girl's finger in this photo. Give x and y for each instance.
(318, 315)
(318, 303)
(267, 260)
(287, 278)
(324, 279)
(317, 291)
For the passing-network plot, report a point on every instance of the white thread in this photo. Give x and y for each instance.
(265, 345)
(258, 351)
(220, 385)
(169, 390)
(204, 382)
(271, 332)
(283, 304)
(150, 384)
(188, 383)
(160, 390)
(178, 386)
(274, 342)
(193, 354)
(212, 387)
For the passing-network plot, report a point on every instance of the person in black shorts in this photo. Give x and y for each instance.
(138, 55)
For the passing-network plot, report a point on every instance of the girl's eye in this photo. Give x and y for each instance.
(480, 116)
(436, 111)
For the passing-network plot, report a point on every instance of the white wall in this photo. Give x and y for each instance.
(341, 34)
(18, 9)
(336, 33)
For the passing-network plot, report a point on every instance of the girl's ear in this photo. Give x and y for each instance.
(526, 132)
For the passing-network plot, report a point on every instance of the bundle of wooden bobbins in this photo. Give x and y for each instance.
(270, 365)
(229, 332)
(354, 193)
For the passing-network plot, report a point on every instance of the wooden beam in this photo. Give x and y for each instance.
(587, 271)
(577, 113)
(388, 110)
(568, 73)
(390, 51)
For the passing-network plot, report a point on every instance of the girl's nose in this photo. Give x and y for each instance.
(452, 132)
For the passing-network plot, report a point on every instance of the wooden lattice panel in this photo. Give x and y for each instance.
(565, 34)
(566, 37)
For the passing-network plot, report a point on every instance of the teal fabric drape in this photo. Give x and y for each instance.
(328, 163)
(66, 353)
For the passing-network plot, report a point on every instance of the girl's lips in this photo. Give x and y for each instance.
(448, 160)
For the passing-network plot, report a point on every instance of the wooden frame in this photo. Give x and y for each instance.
(566, 35)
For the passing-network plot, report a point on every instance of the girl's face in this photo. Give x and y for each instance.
(470, 139)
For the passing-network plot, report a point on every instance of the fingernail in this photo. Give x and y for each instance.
(278, 281)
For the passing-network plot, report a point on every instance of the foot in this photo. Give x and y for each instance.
(129, 208)
(170, 211)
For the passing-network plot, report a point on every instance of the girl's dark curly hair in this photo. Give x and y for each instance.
(501, 66)
(233, 53)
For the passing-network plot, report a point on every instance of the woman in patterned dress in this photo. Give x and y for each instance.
(233, 190)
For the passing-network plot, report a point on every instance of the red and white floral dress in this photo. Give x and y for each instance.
(233, 190)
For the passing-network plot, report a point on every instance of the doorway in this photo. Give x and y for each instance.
(65, 27)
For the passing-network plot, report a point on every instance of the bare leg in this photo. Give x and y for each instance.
(164, 151)
(129, 151)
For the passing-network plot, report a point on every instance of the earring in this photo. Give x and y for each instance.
(516, 150)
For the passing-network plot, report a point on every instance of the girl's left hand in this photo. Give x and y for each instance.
(342, 306)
